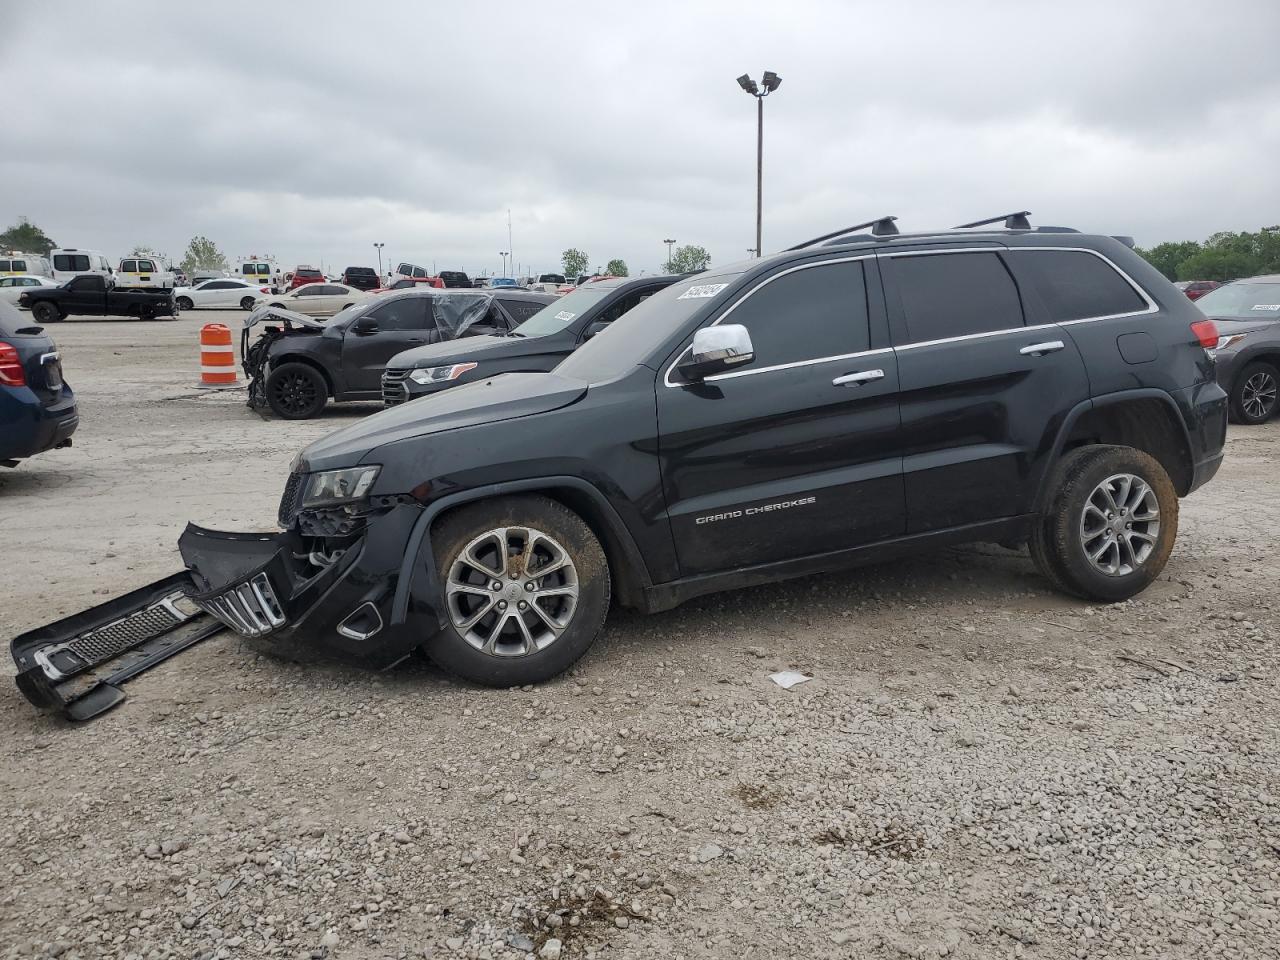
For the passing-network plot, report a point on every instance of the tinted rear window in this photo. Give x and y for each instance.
(956, 294)
(309, 273)
(1075, 285)
(361, 271)
(70, 261)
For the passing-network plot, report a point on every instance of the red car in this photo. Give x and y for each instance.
(304, 275)
(1195, 289)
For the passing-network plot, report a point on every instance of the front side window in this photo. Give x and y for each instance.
(405, 313)
(1075, 285)
(956, 294)
(219, 285)
(310, 290)
(8, 282)
(806, 315)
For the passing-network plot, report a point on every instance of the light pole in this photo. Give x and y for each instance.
(379, 247)
(768, 83)
(670, 244)
(503, 254)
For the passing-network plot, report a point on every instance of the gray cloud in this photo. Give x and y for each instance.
(316, 129)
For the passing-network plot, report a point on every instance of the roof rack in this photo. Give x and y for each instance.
(1012, 221)
(880, 227)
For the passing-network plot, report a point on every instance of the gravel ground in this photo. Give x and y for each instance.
(974, 770)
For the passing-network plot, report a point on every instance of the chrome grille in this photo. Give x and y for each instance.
(291, 499)
(393, 389)
(250, 609)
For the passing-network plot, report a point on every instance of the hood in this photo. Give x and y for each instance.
(279, 314)
(1229, 325)
(464, 350)
(505, 397)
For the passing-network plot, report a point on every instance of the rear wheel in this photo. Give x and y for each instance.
(246, 303)
(1111, 525)
(184, 303)
(296, 391)
(526, 590)
(1254, 394)
(45, 312)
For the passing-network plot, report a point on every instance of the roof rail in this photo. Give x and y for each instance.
(1012, 221)
(880, 227)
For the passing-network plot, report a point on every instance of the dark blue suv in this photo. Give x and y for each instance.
(37, 409)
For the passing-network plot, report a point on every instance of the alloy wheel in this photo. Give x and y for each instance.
(512, 591)
(1120, 524)
(295, 392)
(1258, 396)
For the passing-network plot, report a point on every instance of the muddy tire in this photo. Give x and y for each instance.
(1110, 525)
(296, 391)
(525, 584)
(45, 312)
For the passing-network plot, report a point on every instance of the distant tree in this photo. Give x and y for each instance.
(25, 237)
(574, 261)
(203, 254)
(1218, 263)
(617, 268)
(689, 258)
(1165, 257)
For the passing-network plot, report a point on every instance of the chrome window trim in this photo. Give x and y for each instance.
(1151, 307)
(666, 377)
(797, 363)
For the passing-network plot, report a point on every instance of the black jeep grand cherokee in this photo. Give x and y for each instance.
(837, 403)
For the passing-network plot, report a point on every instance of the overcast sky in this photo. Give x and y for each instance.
(309, 131)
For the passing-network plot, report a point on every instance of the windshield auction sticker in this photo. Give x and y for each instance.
(565, 315)
(1266, 306)
(702, 290)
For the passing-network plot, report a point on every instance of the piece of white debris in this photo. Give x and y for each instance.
(788, 678)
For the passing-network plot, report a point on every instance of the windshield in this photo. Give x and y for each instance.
(1243, 301)
(554, 317)
(642, 329)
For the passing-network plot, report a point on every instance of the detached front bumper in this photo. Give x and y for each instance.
(371, 601)
(285, 595)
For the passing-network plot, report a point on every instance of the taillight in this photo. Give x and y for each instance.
(11, 372)
(1206, 332)
(264, 290)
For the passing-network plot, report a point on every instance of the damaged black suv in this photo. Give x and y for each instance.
(848, 400)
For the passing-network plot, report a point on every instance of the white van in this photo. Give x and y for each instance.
(144, 273)
(13, 264)
(260, 271)
(409, 271)
(69, 263)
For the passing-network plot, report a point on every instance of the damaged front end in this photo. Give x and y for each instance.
(336, 582)
(254, 359)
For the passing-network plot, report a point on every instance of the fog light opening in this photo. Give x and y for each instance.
(362, 623)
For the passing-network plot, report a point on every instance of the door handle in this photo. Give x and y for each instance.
(1040, 349)
(858, 379)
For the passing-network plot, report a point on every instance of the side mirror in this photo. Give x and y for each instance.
(600, 326)
(366, 325)
(717, 349)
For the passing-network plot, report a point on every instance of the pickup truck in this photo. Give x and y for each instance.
(91, 295)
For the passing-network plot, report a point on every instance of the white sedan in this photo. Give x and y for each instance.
(11, 287)
(315, 299)
(226, 294)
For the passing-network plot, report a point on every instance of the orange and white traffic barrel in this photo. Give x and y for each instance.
(217, 356)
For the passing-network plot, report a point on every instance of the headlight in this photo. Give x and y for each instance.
(339, 486)
(440, 374)
(1226, 341)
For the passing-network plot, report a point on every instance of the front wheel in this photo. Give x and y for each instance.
(296, 391)
(246, 303)
(45, 312)
(1253, 396)
(1109, 529)
(526, 590)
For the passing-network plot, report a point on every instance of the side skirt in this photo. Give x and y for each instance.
(664, 596)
